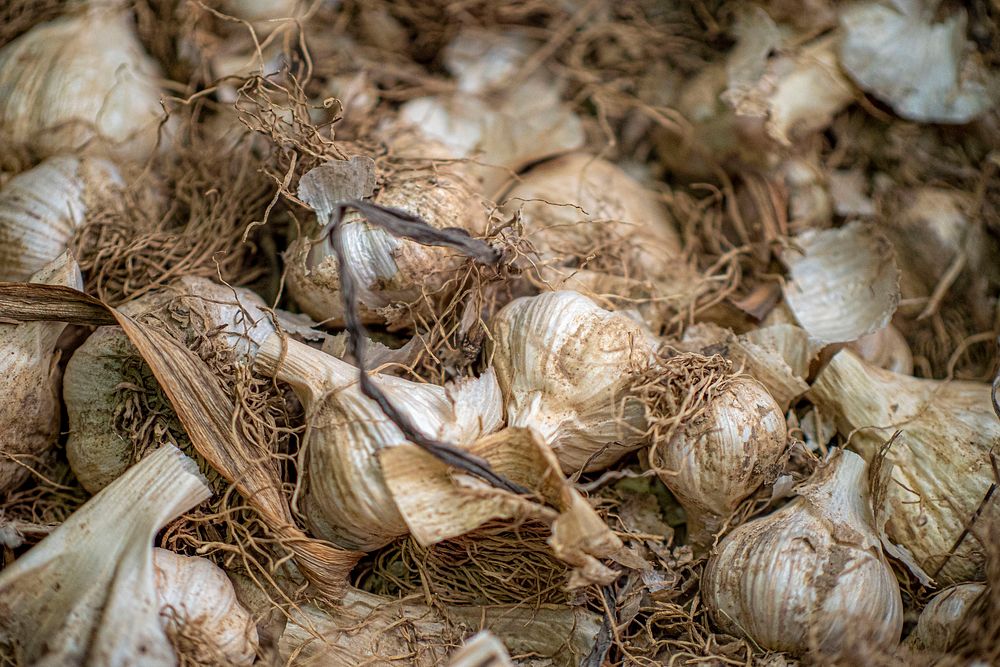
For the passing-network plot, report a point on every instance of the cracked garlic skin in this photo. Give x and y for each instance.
(200, 612)
(40, 209)
(811, 575)
(565, 366)
(29, 411)
(719, 458)
(80, 82)
(944, 616)
(345, 498)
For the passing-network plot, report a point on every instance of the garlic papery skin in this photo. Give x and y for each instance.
(565, 366)
(811, 575)
(86, 594)
(41, 208)
(29, 410)
(199, 610)
(389, 271)
(941, 460)
(719, 457)
(80, 82)
(345, 498)
(943, 617)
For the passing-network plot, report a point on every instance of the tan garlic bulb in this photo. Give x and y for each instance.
(811, 575)
(98, 453)
(345, 497)
(29, 411)
(565, 366)
(199, 610)
(721, 456)
(41, 208)
(389, 270)
(80, 81)
(941, 460)
(942, 618)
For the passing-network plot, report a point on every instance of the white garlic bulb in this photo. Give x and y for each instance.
(941, 460)
(721, 456)
(80, 81)
(811, 575)
(389, 270)
(345, 498)
(565, 366)
(942, 618)
(29, 410)
(198, 607)
(41, 208)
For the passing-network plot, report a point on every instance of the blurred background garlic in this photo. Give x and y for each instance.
(886, 348)
(719, 457)
(80, 82)
(40, 209)
(565, 366)
(200, 612)
(941, 461)
(812, 574)
(391, 271)
(29, 411)
(942, 619)
(345, 498)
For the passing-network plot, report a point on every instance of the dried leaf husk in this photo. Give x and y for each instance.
(942, 472)
(86, 595)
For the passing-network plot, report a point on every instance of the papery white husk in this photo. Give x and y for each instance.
(80, 81)
(943, 617)
(811, 574)
(41, 208)
(29, 410)
(920, 67)
(483, 649)
(941, 459)
(345, 498)
(86, 594)
(844, 282)
(565, 366)
(197, 600)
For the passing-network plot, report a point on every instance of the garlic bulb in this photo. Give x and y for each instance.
(199, 610)
(29, 410)
(941, 460)
(565, 366)
(721, 456)
(811, 575)
(919, 66)
(345, 498)
(41, 208)
(80, 80)
(390, 270)
(942, 618)
(97, 452)
(886, 348)
(86, 594)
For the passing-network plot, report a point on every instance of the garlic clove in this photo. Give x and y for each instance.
(722, 455)
(86, 594)
(565, 366)
(886, 348)
(81, 81)
(199, 609)
(41, 208)
(942, 619)
(941, 460)
(30, 409)
(811, 575)
(844, 282)
(917, 65)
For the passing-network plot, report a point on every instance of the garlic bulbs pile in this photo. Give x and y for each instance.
(80, 82)
(812, 574)
(942, 470)
(717, 459)
(41, 208)
(565, 366)
(29, 412)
